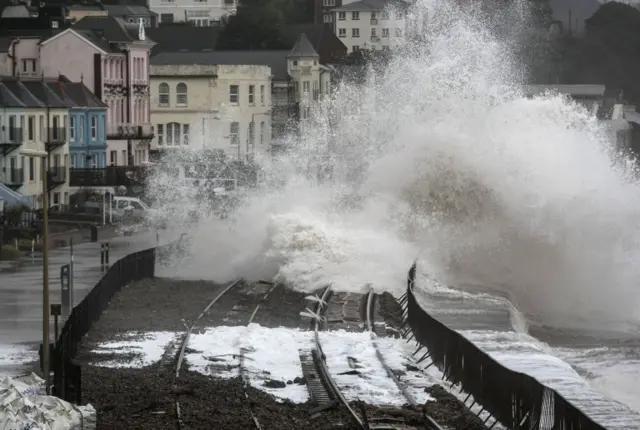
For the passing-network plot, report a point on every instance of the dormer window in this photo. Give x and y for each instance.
(295, 62)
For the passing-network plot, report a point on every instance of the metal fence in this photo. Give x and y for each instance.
(67, 375)
(515, 399)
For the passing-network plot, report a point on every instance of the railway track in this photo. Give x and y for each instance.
(323, 388)
(185, 341)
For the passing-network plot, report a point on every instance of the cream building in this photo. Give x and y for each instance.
(371, 24)
(224, 107)
(33, 122)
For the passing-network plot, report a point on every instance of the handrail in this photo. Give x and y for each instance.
(521, 400)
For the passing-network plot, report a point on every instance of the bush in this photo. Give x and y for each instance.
(9, 252)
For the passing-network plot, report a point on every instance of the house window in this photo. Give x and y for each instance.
(32, 169)
(327, 18)
(160, 134)
(94, 127)
(262, 95)
(173, 133)
(251, 137)
(355, 32)
(252, 94)
(342, 32)
(234, 92)
(355, 16)
(41, 121)
(73, 161)
(234, 133)
(373, 32)
(125, 161)
(398, 32)
(185, 134)
(163, 93)
(113, 157)
(385, 32)
(356, 48)
(32, 128)
(328, 3)
(181, 94)
(28, 65)
(385, 15)
(342, 16)
(262, 132)
(72, 128)
(305, 86)
(56, 125)
(94, 160)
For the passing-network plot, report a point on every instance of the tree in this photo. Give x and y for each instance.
(610, 50)
(258, 24)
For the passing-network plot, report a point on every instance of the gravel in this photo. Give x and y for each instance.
(145, 398)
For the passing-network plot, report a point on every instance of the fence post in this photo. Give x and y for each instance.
(65, 285)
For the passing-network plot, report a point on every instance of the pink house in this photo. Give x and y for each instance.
(111, 57)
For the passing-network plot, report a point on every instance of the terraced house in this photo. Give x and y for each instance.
(111, 57)
(33, 118)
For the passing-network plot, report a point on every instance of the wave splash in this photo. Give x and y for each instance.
(440, 157)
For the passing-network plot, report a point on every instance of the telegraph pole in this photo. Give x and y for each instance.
(45, 275)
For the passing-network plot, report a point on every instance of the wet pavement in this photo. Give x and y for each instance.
(21, 290)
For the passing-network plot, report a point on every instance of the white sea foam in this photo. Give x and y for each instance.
(440, 157)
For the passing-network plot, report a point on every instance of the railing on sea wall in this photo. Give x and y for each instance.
(67, 374)
(516, 400)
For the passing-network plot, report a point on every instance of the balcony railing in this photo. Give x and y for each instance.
(130, 131)
(57, 175)
(10, 139)
(112, 176)
(55, 138)
(13, 178)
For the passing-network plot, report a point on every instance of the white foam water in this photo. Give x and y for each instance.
(439, 156)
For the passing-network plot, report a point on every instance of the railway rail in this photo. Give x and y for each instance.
(185, 341)
(323, 387)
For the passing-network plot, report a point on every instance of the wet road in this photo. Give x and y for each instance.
(21, 290)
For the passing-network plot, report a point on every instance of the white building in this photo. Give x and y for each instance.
(201, 13)
(370, 24)
(223, 107)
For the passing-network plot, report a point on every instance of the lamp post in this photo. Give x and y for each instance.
(45, 275)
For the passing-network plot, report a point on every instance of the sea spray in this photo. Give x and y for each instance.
(440, 157)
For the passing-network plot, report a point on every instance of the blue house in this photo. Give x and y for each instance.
(87, 127)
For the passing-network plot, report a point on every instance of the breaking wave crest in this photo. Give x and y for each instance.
(438, 156)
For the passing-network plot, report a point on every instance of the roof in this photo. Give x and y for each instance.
(8, 99)
(13, 198)
(571, 90)
(5, 43)
(39, 93)
(128, 10)
(303, 48)
(276, 60)
(112, 29)
(81, 95)
(183, 38)
(371, 5)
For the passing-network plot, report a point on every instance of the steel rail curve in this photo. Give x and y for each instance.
(369, 310)
(185, 342)
(323, 370)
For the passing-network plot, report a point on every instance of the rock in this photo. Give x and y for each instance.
(272, 383)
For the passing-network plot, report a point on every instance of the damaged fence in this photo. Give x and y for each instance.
(515, 399)
(67, 374)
